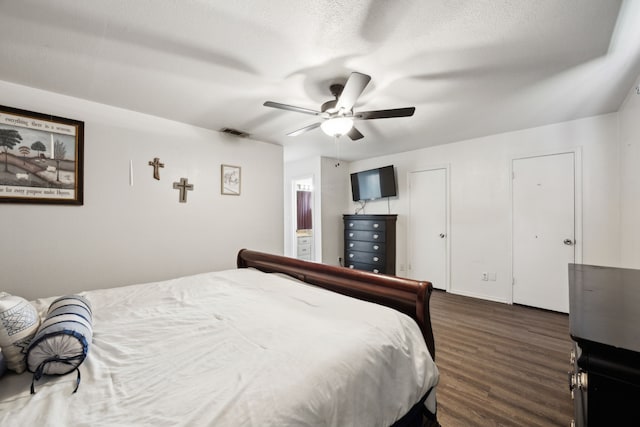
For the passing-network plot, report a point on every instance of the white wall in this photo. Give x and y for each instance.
(334, 191)
(630, 181)
(129, 234)
(481, 197)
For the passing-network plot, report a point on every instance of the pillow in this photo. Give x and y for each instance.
(18, 324)
(62, 341)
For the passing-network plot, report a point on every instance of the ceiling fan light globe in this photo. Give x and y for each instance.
(337, 126)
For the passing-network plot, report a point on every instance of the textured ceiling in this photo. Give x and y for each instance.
(470, 67)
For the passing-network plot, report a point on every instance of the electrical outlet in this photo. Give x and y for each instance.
(485, 276)
(492, 276)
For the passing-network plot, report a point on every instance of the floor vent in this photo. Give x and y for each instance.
(234, 132)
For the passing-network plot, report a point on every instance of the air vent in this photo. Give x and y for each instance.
(234, 132)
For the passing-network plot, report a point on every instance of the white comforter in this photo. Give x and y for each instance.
(232, 348)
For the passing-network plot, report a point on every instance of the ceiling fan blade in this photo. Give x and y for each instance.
(385, 114)
(353, 88)
(355, 134)
(292, 108)
(304, 129)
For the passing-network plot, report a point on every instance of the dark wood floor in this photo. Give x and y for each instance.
(500, 365)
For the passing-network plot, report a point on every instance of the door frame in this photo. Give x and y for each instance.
(577, 203)
(447, 206)
(294, 209)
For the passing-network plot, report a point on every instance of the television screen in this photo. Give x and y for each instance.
(373, 184)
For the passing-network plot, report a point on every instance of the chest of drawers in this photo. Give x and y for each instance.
(370, 243)
(604, 318)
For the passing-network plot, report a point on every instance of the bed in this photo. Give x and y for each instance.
(272, 343)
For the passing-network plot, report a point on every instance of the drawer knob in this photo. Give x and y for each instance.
(375, 270)
(350, 265)
(375, 236)
(350, 234)
(350, 224)
(351, 245)
(350, 255)
(571, 376)
(375, 258)
(578, 380)
(582, 382)
(376, 225)
(376, 247)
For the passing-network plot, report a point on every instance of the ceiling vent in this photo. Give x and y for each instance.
(234, 132)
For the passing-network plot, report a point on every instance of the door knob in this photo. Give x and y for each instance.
(442, 235)
(568, 242)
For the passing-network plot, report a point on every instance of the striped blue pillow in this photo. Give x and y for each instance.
(62, 341)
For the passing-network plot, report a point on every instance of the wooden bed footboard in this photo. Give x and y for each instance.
(405, 295)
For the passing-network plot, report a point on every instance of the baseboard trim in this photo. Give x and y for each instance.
(478, 296)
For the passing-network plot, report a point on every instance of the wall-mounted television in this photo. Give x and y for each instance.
(373, 184)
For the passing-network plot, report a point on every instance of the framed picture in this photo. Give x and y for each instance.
(41, 158)
(230, 179)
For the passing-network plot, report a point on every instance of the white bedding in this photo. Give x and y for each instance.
(232, 348)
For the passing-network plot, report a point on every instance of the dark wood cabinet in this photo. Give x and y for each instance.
(370, 243)
(604, 317)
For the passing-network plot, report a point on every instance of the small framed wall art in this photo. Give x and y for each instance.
(41, 158)
(230, 179)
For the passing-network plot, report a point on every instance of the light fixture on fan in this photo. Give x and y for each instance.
(337, 126)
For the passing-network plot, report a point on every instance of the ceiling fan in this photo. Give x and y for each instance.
(337, 115)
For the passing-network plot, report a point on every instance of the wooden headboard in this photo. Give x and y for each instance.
(405, 295)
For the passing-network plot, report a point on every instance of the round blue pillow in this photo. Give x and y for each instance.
(62, 341)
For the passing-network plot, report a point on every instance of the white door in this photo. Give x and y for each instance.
(543, 230)
(427, 227)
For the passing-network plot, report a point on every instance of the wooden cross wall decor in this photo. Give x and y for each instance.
(156, 165)
(183, 186)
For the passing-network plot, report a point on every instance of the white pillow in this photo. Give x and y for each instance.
(19, 322)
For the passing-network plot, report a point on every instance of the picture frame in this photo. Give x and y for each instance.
(41, 158)
(230, 180)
